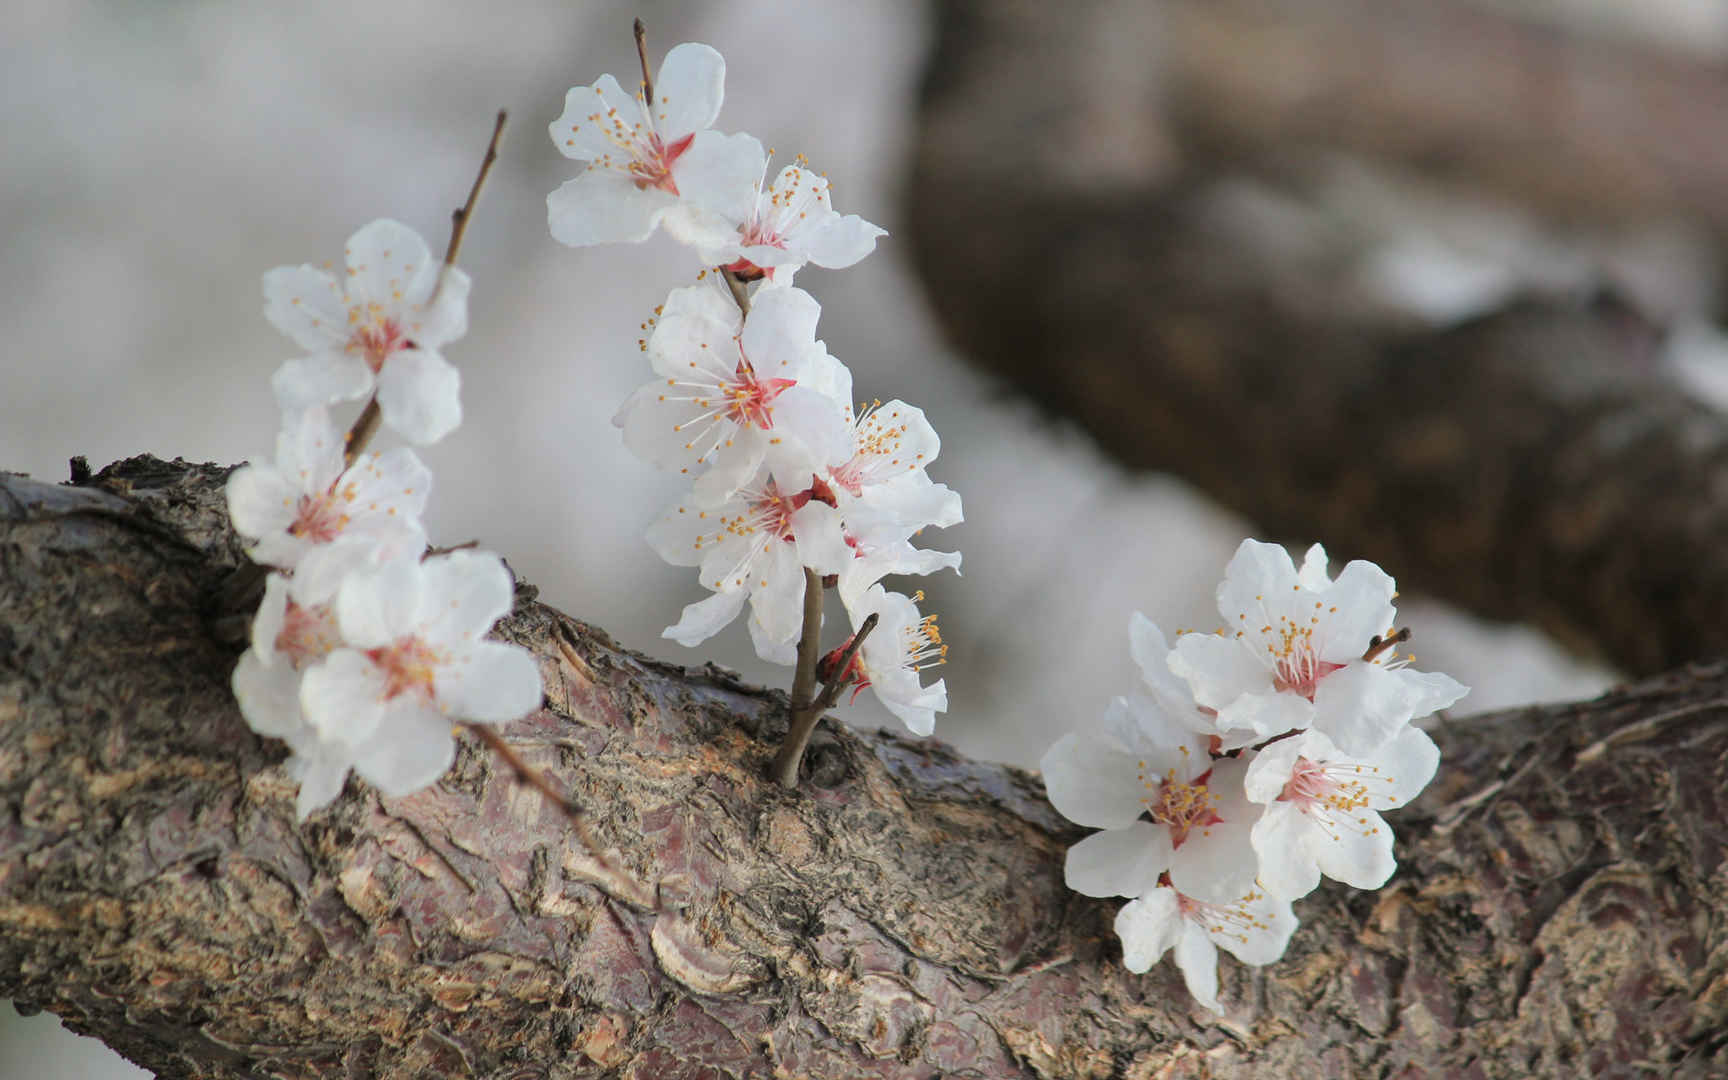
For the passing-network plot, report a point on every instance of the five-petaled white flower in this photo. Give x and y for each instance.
(1322, 808)
(733, 394)
(790, 222)
(307, 514)
(1254, 928)
(381, 326)
(903, 644)
(753, 546)
(1165, 804)
(1299, 648)
(413, 659)
(643, 155)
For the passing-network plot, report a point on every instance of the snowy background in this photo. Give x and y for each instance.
(156, 158)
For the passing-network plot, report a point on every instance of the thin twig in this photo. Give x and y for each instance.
(803, 725)
(641, 33)
(803, 681)
(366, 424)
(535, 779)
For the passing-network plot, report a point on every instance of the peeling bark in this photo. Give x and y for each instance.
(1562, 907)
(1079, 240)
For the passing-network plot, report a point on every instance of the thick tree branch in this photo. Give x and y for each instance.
(1535, 464)
(1561, 907)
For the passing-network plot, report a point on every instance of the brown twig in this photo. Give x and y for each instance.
(804, 718)
(366, 424)
(641, 33)
(736, 284)
(535, 779)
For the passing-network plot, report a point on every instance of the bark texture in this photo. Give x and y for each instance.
(1101, 224)
(1562, 908)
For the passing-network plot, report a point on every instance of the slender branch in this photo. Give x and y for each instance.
(803, 719)
(641, 33)
(366, 424)
(537, 780)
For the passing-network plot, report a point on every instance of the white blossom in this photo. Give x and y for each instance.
(413, 660)
(1299, 649)
(1253, 928)
(788, 223)
(641, 157)
(305, 513)
(903, 644)
(753, 546)
(1165, 804)
(733, 395)
(380, 327)
(1322, 808)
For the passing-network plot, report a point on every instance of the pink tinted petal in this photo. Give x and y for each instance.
(411, 750)
(705, 618)
(603, 207)
(1119, 862)
(1197, 958)
(306, 304)
(1149, 927)
(420, 395)
(688, 90)
(323, 379)
(390, 265)
(490, 682)
(343, 697)
(1288, 870)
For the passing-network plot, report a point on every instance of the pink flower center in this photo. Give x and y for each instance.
(1313, 785)
(1181, 805)
(308, 633)
(378, 342)
(319, 518)
(749, 400)
(409, 665)
(652, 166)
(1295, 665)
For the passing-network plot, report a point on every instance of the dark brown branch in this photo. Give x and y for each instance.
(1537, 464)
(907, 918)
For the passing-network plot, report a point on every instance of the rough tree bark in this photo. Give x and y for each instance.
(1562, 907)
(1079, 239)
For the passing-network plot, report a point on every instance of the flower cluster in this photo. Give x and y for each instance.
(364, 651)
(1248, 763)
(786, 475)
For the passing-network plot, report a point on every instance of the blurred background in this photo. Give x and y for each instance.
(157, 158)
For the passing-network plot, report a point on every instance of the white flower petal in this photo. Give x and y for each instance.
(1408, 762)
(465, 593)
(603, 207)
(343, 697)
(322, 379)
(1288, 869)
(844, 242)
(716, 176)
(1149, 926)
(1356, 849)
(688, 90)
(705, 618)
(375, 609)
(307, 305)
(1272, 924)
(390, 265)
(1363, 598)
(490, 682)
(269, 697)
(1119, 862)
(1090, 775)
(411, 750)
(1362, 706)
(1268, 714)
(447, 319)
(321, 771)
(1197, 958)
(1218, 670)
(420, 396)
